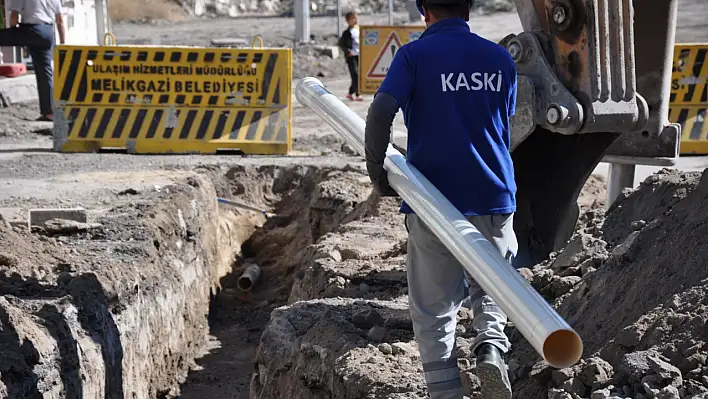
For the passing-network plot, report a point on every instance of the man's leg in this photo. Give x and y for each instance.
(41, 54)
(42, 60)
(435, 292)
(488, 319)
(355, 75)
(352, 74)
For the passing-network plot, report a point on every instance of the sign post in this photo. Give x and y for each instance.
(379, 45)
(339, 18)
(302, 21)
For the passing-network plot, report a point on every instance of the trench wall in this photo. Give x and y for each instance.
(121, 311)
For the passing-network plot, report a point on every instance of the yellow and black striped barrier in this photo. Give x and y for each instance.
(694, 130)
(689, 96)
(173, 99)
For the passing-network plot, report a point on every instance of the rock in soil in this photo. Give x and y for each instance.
(637, 295)
(314, 349)
(361, 259)
(641, 305)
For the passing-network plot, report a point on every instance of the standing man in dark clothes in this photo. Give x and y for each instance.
(349, 42)
(36, 32)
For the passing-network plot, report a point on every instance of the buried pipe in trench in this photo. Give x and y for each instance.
(249, 277)
(538, 322)
(244, 206)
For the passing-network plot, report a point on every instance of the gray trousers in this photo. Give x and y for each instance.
(437, 285)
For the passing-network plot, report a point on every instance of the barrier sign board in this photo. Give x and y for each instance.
(378, 45)
(694, 128)
(690, 75)
(172, 99)
(689, 96)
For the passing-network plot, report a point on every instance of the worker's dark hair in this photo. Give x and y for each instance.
(446, 10)
(349, 15)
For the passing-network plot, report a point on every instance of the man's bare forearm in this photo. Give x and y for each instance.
(61, 29)
(14, 19)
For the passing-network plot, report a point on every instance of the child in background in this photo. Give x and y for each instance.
(349, 43)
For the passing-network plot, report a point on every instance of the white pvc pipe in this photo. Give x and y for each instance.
(547, 332)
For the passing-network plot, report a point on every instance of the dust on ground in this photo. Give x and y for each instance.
(18, 121)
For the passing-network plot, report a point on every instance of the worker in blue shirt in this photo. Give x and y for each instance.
(457, 91)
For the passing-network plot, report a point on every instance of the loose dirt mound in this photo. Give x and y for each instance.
(118, 310)
(594, 194)
(121, 310)
(634, 285)
(361, 259)
(321, 349)
(18, 122)
(636, 290)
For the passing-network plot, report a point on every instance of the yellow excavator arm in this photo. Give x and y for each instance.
(594, 80)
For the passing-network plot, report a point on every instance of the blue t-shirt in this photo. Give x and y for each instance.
(457, 91)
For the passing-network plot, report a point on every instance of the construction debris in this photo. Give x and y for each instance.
(640, 308)
(38, 217)
(638, 297)
(66, 227)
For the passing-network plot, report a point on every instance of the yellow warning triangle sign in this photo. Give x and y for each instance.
(383, 61)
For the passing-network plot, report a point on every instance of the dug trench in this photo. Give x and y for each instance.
(117, 307)
(312, 205)
(128, 304)
(144, 303)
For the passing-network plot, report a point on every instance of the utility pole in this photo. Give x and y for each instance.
(339, 18)
(390, 12)
(102, 20)
(302, 21)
